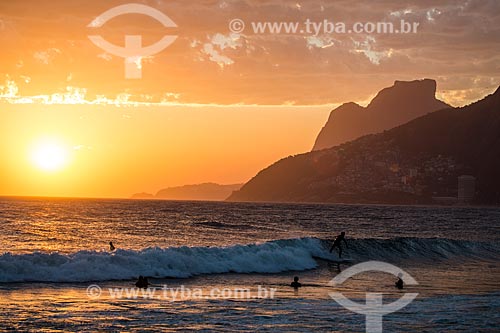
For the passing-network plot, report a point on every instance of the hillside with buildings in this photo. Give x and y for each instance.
(447, 156)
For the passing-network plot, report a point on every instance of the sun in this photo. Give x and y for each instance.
(49, 156)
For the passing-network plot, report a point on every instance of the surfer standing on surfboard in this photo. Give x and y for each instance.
(336, 243)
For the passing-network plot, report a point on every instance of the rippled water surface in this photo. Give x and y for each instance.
(53, 249)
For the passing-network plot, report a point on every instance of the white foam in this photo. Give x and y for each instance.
(269, 257)
(181, 262)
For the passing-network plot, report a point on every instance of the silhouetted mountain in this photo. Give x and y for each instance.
(142, 195)
(408, 164)
(391, 107)
(206, 192)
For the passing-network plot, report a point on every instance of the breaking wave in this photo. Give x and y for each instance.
(268, 257)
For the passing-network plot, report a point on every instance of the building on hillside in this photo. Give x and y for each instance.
(466, 188)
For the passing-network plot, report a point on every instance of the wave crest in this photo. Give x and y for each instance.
(181, 262)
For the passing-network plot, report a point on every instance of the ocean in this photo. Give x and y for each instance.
(57, 273)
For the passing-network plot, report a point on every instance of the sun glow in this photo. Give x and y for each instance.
(49, 156)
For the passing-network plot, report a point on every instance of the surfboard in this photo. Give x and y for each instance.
(335, 260)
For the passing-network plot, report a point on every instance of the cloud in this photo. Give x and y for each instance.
(10, 93)
(215, 56)
(230, 41)
(464, 90)
(45, 57)
(319, 42)
(366, 47)
(401, 13)
(170, 97)
(9, 90)
(431, 14)
(219, 42)
(456, 39)
(462, 97)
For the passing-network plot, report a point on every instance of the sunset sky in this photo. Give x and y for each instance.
(214, 105)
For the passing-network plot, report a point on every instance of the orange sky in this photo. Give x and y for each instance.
(215, 105)
(114, 152)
